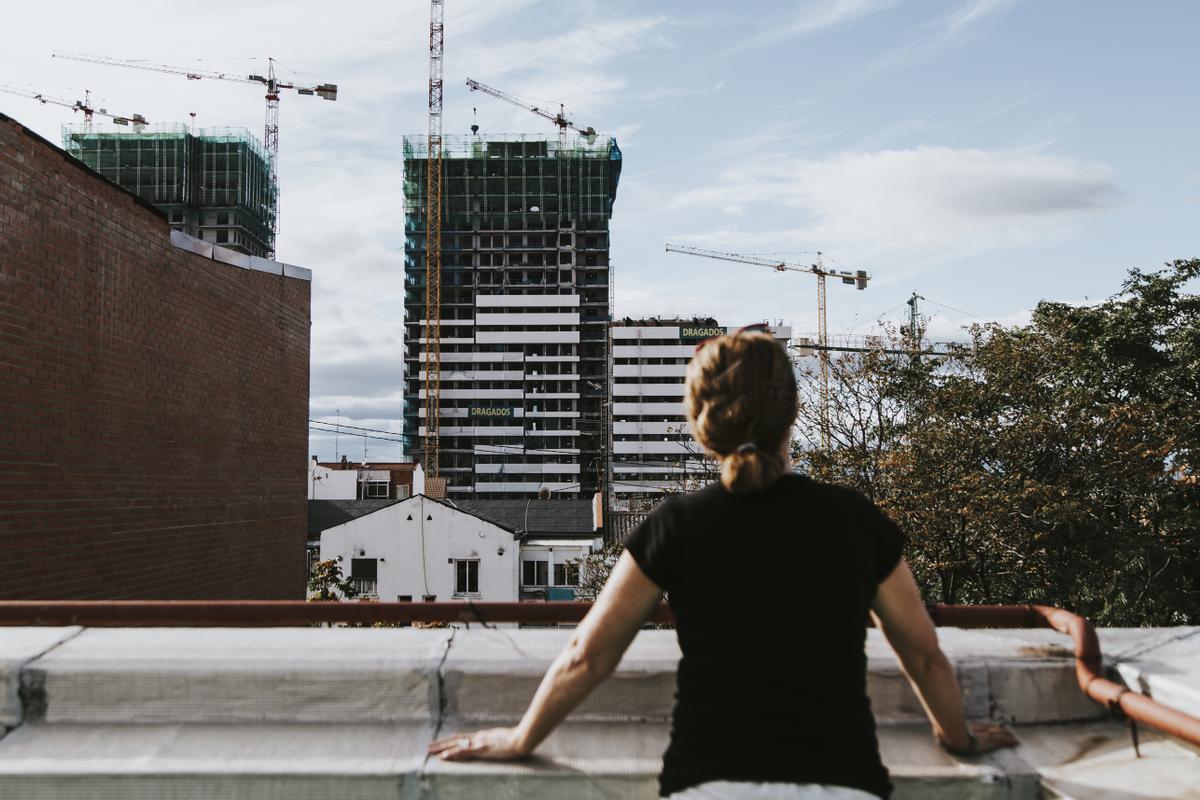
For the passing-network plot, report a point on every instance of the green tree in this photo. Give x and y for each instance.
(1053, 462)
(326, 582)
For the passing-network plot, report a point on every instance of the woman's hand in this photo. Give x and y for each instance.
(985, 737)
(494, 744)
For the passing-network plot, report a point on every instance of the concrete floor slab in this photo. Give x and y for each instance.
(260, 749)
(203, 762)
(18, 646)
(146, 675)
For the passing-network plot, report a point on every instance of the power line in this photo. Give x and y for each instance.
(956, 310)
(528, 450)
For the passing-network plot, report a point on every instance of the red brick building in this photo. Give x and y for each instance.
(153, 397)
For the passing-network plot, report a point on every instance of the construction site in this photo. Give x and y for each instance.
(521, 306)
(212, 183)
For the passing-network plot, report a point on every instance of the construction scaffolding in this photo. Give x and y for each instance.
(521, 214)
(212, 183)
(501, 180)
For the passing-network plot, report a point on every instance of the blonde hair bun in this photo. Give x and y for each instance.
(741, 400)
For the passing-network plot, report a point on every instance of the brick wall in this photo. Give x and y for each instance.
(153, 402)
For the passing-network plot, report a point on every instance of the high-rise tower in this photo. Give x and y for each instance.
(214, 183)
(525, 301)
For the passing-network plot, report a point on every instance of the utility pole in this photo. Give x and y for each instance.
(913, 334)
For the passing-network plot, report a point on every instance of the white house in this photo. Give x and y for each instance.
(350, 480)
(554, 534)
(422, 549)
(325, 483)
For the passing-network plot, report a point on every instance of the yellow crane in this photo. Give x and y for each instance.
(433, 254)
(857, 278)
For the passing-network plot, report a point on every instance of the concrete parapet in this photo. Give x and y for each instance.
(268, 714)
(19, 646)
(492, 674)
(174, 675)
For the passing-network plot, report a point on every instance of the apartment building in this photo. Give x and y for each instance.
(525, 298)
(653, 450)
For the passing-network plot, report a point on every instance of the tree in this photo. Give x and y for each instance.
(1053, 462)
(594, 569)
(327, 582)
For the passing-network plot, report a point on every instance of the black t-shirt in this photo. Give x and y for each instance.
(770, 592)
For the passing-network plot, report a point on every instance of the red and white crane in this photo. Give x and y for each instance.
(84, 105)
(274, 85)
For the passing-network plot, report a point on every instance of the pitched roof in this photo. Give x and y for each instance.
(325, 514)
(534, 517)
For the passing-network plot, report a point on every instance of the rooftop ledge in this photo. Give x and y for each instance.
(318, 712)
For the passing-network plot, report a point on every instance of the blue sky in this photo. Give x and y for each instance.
(987, 154)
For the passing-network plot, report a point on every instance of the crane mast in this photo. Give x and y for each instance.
(433, 245)
(857, 278)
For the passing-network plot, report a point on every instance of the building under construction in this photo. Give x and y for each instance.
(213, 183)
(525, 298)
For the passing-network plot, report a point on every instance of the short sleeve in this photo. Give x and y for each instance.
(887, 538)
(649, 544)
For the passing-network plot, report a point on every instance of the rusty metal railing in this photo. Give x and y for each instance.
(275, 613)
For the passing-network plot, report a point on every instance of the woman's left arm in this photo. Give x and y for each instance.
(595, 649)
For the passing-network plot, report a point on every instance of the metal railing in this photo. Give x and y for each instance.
(274, 613)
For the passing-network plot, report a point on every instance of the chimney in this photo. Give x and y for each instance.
(345, 463)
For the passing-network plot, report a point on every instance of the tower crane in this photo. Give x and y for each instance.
(559, 119)
(857, 278)
(433, 250)
(84, 105)
(327, 91)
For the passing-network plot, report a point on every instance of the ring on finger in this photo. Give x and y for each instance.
(464, 743)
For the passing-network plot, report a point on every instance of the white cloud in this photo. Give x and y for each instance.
(811, 17)
(933, 202)
(970, 14)
(951, 30)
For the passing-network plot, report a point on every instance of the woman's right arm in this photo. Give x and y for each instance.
(899, 612)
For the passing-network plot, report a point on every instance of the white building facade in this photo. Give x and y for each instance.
(325, 483)
(511, 397)
(422, 550)
(652, 446)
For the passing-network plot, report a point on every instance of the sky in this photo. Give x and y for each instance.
(986, 154)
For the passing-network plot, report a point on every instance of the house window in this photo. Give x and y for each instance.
(566, 574)
(364, 576)
(534, 573)
(466, 576)
(375, 490)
